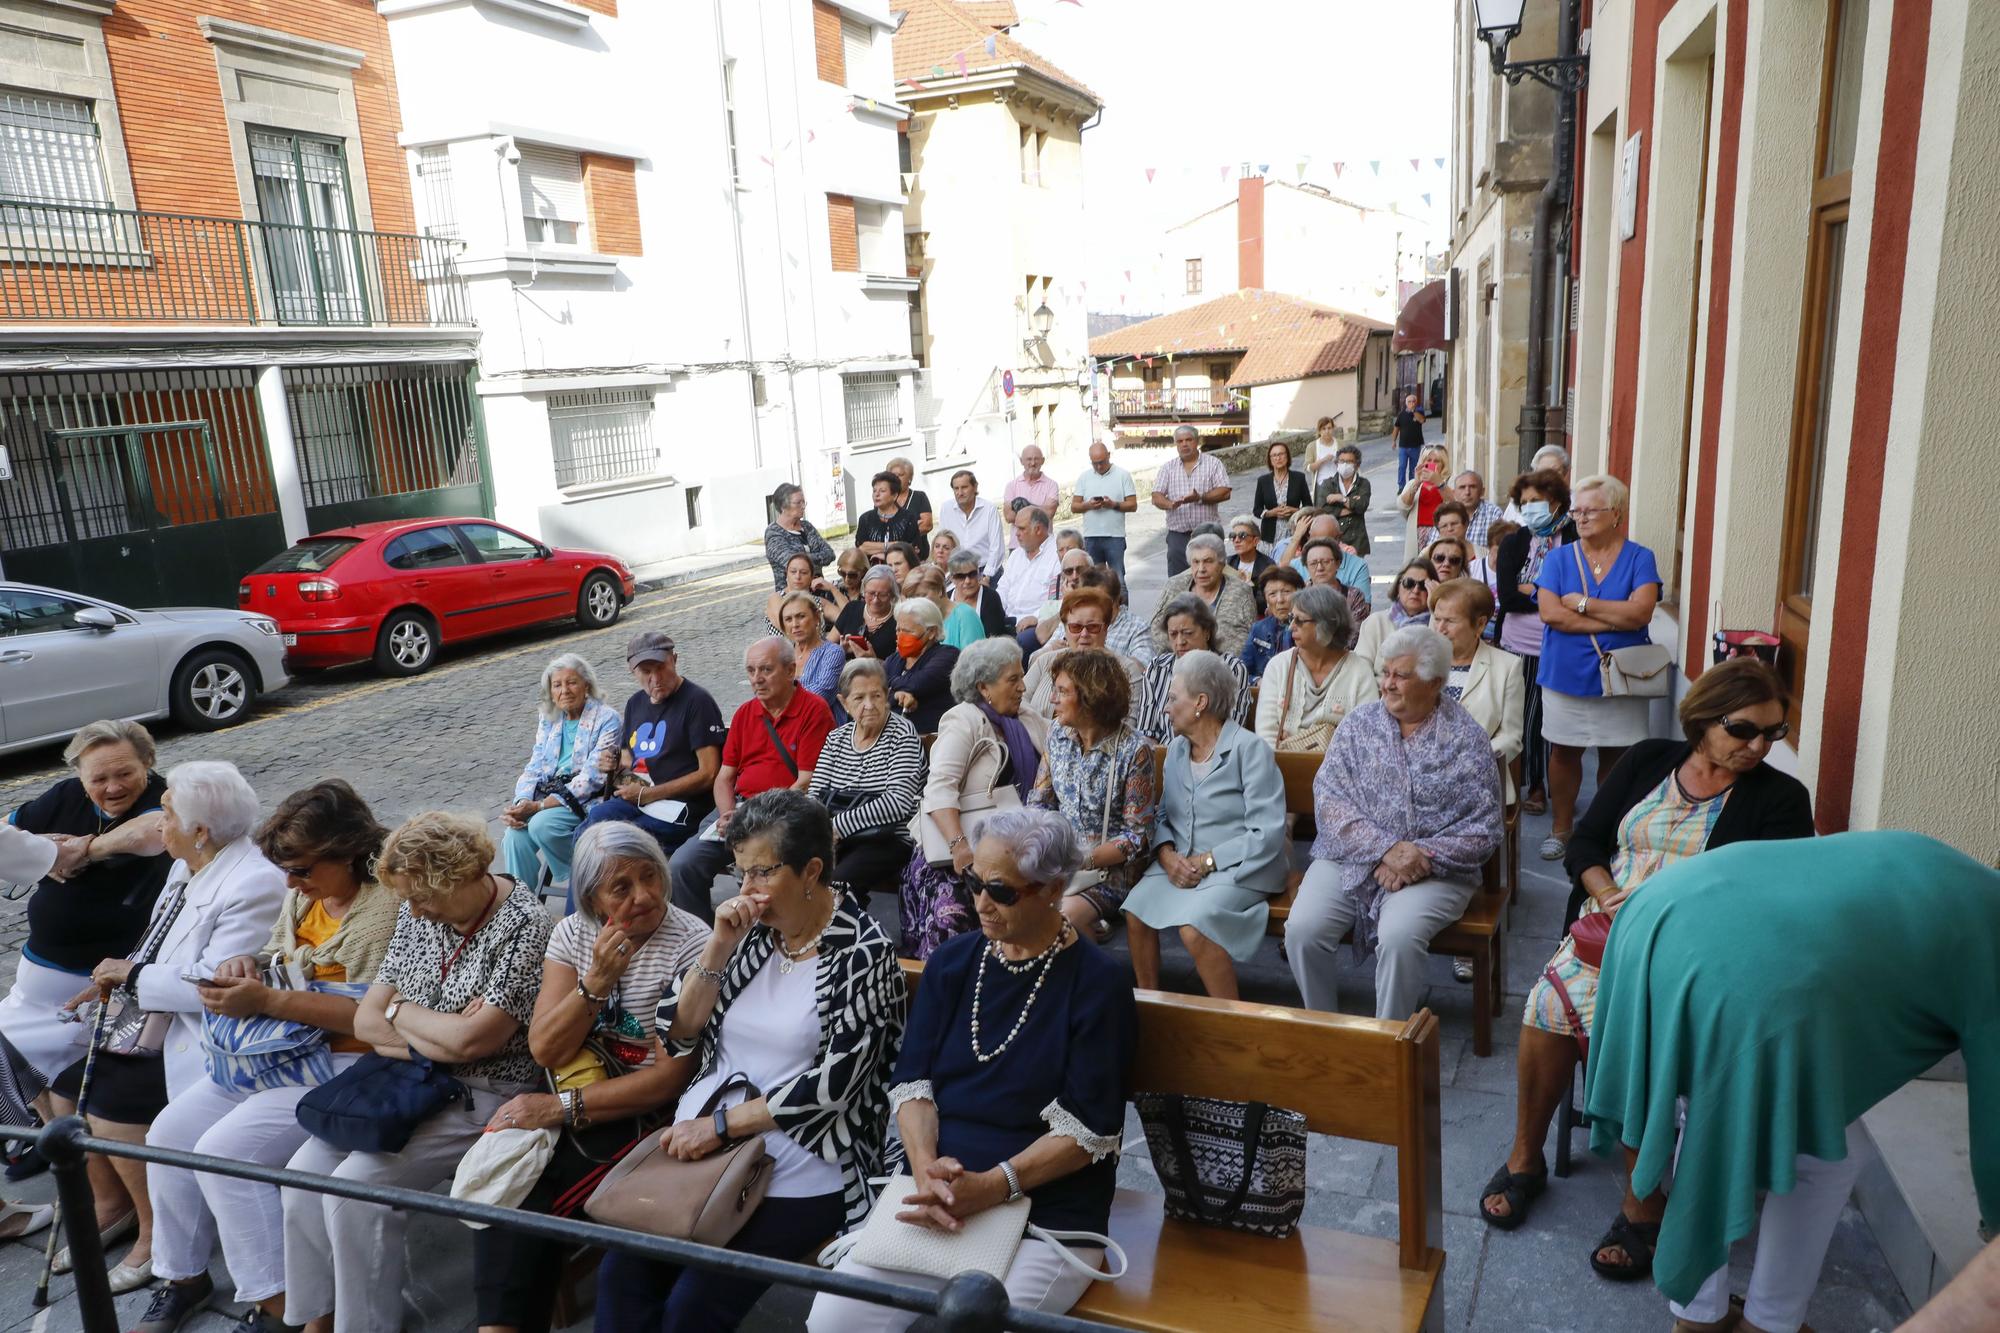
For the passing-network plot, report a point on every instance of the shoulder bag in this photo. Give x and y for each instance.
(985, 1244)
(1309, 740)
(376, 1103)
(771, 729)
(705, 1201)
(1091, 876)
(974, 807)
(1637, 672)
(1239, 1165)
(1587, 937)
(129, 1029)
(260, 1052)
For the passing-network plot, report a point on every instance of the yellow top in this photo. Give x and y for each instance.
(315, 928)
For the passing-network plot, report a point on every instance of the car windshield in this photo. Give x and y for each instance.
(314, 555)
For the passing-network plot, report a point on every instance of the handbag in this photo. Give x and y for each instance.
(129, 1029)
(1588, 936)
(1091, 876)
(1636, 672)
(705, 1201)
(1239, 1165)
(376, 1103)
(984, 1244)
(502, 1166)
(260, 1052)
(996, 798)
(1309, 740)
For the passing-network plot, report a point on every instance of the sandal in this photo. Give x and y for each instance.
(1637, 1239)
(1519, 1188)
(1534, 803)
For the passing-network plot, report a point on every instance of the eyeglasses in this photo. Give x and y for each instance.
(1588, 513)
(1302, 620)
(1076, 627)
(968, 574)
(999, 890)
(1411, 585)
(1750, 731)
(1446, 561)
(300, 872)
(755, 874)
(1243, 535)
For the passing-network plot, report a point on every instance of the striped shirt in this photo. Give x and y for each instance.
(665, 957)
(892, 771)
(1153, 723)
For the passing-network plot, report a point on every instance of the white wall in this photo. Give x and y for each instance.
(1299, 404)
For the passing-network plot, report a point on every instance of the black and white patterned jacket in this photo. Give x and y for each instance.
(839, 1108)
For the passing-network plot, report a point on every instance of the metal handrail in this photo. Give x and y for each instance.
(969, 1303)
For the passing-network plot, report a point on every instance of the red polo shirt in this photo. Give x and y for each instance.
(759, 767)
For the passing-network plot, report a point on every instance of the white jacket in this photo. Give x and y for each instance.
(1496, 694)
(231, 904)
(24, 857)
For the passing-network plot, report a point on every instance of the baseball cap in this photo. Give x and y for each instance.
(651, 646)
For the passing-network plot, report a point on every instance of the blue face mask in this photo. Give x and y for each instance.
(1539, 517)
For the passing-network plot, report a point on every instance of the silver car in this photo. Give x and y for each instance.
(67, 659)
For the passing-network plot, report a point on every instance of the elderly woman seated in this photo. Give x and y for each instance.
(221, 898)
(1099, 775)
(988, 1112)
(1270, 636)
(919, 674)
(1408, 807)
(988, 753)
(1190, 626)
(1667, 800)
(870, 777)
(457, 986)
(800, 577)
(1086, 617)
(819, 657)
(96, 901)
(1322, 561)
(575, 731)
(867, 625)
(1220, 839)
(1230, 601)
(334, 924)
(608, 966)
(1409, 604)
(1310, 688)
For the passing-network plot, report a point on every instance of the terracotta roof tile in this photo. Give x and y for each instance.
(934, 33)
(1283, 338)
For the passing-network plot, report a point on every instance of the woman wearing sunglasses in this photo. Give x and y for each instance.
(1409, 604)
(1666, 800)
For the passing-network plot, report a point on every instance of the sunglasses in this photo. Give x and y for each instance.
(1411, 585)
(998, 890)
(1750, 731)
(299, 872)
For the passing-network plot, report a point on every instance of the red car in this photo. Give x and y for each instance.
(397, 591)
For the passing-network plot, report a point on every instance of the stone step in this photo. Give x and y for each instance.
(1916, 1192)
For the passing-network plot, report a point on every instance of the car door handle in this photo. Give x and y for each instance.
(420, 583)
(17, 656)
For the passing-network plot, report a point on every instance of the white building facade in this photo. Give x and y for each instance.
(673, 222)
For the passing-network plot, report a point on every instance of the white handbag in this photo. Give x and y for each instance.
(1091, 876)
(501, 1166)
(985, 1244)
(974, 809)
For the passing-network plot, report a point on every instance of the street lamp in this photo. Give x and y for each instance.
(1043, 320)
(1499, 23)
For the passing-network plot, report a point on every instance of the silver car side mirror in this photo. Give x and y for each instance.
(97, 618)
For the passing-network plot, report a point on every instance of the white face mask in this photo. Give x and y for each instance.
(1346, 470)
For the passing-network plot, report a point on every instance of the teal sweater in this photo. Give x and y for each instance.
(1784, 988)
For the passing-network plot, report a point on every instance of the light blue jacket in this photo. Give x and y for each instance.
(1238, 814)
(596, 731)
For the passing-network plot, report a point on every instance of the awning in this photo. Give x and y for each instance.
(1420, 326)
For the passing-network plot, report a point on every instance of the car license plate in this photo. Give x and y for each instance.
(290, 640)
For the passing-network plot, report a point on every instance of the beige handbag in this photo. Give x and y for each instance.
(1091, 876)
(1637, 672)
(974, 809)
(1309, 740)
(984, 1244)
(705, 1201)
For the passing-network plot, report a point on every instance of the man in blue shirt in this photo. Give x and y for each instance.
(673, 748)
(1104, 495)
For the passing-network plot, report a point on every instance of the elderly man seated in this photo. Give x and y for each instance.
(1408, 806)
(1207, 577)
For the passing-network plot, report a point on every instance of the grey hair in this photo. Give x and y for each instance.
(1203, 672)
(1037, 517)
(1206, 541)
(859, 667)
(878, 574)
(93, 734)
(213, 794)
(601, 847)
(1043, 843)
(1333, 622)
(1195, 609)
(981, 664)
(546, 700)
(1431, 649)
(963, 561)
(1469, 472)
(922, 610)
(787, 654)
(1186, 430)
(1242, 523)
(1214, 530)
(1555, 451)
(1615, 493)
(895, 463)
(798, 826)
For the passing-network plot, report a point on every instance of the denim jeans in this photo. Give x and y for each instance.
(1406, 465)
(1107, 551)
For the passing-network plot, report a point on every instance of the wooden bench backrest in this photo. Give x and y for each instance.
(1352, 1078)
(1297, 766)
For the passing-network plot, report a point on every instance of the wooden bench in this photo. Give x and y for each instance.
(1352, 1078)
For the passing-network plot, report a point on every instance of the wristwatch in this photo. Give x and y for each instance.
(389, 1014)
(1208, 862)
(722, 1124)
(1013, 1181)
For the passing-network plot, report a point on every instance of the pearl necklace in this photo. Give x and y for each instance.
(1047, 960)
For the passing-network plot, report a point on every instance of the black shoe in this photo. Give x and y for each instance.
(174, 1303)
(263, 1321)
(29, 1163)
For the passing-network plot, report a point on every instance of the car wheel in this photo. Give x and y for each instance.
(213, 689)
(598, 605)
(408, 644)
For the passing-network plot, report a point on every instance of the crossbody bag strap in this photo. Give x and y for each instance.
(779, 741)
(1175, 1115)
(1576, 549)
(149, 948)
(1110, 790)
(1055, 1240)
(1291, 674)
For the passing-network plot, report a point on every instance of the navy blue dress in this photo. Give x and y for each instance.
(1069, 1067)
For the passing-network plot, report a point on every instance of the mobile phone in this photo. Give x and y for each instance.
(197, 979)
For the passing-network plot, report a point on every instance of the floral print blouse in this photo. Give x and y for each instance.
(1075, 782)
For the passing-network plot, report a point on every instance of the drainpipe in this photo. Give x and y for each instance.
(1551, 205)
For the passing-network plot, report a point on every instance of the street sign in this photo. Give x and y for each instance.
(1007, 382)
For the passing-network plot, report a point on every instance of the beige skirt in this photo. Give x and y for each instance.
(1569, 719)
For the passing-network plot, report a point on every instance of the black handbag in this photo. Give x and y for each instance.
(376, 1103)
(1239, 1165)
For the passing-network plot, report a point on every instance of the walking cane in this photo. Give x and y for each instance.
(82, 1105)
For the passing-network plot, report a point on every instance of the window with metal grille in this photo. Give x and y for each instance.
(729, 118)
(874, 406)
(552, 207)
(602, 435)
(49, 151)
(437, 206)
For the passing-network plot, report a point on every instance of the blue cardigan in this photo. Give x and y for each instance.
(596, 731)
(1243, 792)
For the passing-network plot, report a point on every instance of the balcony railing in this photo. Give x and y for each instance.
(118, 266)
(1211, 401)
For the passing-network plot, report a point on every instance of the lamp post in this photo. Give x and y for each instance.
(1499, 23)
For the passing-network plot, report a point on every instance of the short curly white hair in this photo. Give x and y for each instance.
(1431, 649)
(212, 794)
(545, 701)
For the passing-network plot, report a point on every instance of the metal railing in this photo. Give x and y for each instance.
(1160, 402)
(112, 265)
(969, 1303)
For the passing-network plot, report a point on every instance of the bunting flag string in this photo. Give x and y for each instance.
(1415, 165)
(1440, 162)
(1375, 167)
(1338, 167)
(958, 57)
(1149, 174)
(1427, 201)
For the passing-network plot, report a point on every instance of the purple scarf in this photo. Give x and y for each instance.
(1025, 759)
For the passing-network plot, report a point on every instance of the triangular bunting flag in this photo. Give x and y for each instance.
(1224, 172)
(959, 59)
(992, 46)
(1440, 163)
(1375, 167)
(911, 82)
(1302, 168)
(1427, 201)
(1338, 167)
(1149, 174)
(1263, 168)
(1415, 165)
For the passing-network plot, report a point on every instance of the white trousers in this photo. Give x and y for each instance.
(346, 1258)
(1793, 1232)
(1411, 917)
(1038, 1279)
(191, 1209)
(28, 1017)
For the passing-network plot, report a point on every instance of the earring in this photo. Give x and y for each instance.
(200, 843)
